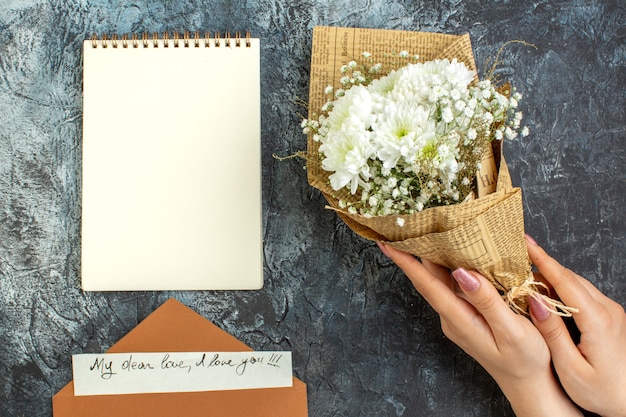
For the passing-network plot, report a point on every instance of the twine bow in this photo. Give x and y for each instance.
(531, 288)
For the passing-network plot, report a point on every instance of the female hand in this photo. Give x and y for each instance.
(594, 372)
(506, 344)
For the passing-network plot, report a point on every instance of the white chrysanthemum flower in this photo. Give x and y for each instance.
(401, 132)
(354, 107)
(346, 155)
(384, 85)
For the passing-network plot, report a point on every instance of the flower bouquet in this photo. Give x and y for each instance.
(405, 145)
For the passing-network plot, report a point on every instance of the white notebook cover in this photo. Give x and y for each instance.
(171, 174)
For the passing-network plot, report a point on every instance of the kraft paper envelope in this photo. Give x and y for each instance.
(173, 327)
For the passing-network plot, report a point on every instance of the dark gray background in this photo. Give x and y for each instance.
(363, 340)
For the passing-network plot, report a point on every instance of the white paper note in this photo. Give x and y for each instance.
(136, 373)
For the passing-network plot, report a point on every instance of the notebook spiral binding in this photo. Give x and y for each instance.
(187, 41)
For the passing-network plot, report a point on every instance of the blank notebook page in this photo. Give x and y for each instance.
(171, 191)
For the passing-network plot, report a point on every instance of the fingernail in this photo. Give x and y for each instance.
(530, 239)
(383, 249)
(538, 309)
(467, 281)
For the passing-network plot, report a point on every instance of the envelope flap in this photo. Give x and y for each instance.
(177, 328)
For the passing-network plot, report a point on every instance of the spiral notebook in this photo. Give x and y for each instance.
(171, 173)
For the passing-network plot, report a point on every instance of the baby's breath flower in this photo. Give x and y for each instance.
(375, 68)
(510, 133)
(471, 133)
(525, 131)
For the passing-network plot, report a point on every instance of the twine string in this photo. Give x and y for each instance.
(531, 288)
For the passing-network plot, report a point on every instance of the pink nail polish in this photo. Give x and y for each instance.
(530, 239)
(467, 281)
(538, 308)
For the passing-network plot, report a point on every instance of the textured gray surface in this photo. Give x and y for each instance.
(364, 342)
